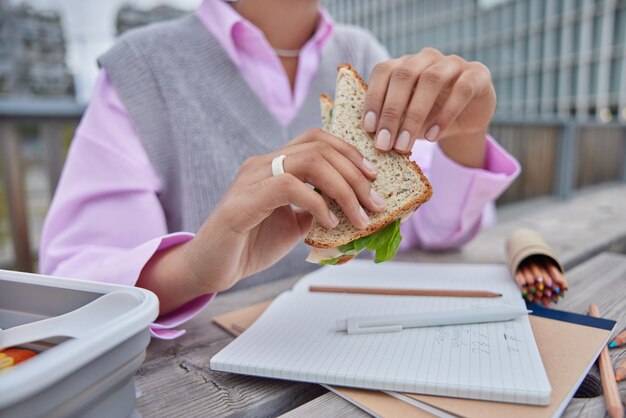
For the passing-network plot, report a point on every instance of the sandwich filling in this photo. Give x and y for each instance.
(385, 242)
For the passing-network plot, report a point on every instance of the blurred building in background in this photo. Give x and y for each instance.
(32, 54)
(129, 17)
(548, 58)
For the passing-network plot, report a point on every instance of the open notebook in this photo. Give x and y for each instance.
(295, 338)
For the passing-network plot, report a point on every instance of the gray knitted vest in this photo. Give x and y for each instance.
(199, 120)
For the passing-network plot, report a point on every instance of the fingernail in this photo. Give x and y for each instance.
(377, 198)
(369, 123)
(402, 143)
(383, 140)
(333, 218)
(432, 133)
(364, 216)
(369, 166)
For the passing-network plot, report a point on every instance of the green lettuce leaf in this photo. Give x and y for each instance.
(390, 246)
(330, 261)
(385, 242)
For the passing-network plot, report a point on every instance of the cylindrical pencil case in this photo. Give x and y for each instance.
(535, 267)
(526, 243)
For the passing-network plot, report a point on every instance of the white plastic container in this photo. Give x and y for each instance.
(82, 377)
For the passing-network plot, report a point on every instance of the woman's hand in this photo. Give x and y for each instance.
(428, 95)
(254, 224)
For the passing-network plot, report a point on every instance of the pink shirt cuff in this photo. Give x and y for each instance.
(460, 196)
(165, 325)
(126, 270)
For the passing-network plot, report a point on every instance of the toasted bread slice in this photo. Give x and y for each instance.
(326, 107)
(400, 181)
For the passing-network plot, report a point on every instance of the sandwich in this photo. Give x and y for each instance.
(400, 181)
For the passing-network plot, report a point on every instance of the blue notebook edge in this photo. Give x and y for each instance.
(572, 317)
(579, 319)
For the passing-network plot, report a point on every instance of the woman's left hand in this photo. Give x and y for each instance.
(427, 95)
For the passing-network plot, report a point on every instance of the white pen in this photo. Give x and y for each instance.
(398, 322)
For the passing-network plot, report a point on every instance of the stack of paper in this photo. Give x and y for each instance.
(295, 338)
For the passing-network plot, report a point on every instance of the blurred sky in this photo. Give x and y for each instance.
(89, 28)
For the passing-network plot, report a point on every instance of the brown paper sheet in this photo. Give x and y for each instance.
(566, 350)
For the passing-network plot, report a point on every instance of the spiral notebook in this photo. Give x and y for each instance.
(295, 339)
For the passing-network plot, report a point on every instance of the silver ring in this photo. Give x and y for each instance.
(277, 165)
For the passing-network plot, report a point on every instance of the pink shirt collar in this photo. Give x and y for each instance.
(232, 30)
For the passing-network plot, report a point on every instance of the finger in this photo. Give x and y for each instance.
(402, 82)
(348, 150)
(257, 169)
(362, 187)
(468, 85)
(260, 199)
(346, 169)
(430, 84)
(313, 168)
(375, 97)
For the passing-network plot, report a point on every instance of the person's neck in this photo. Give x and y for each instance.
(287, 24)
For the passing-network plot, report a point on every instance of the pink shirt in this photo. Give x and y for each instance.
(105, 221)
(249, 50)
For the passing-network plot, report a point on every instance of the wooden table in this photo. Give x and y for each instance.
(175, 380)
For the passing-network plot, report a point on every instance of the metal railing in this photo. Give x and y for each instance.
(550, 151)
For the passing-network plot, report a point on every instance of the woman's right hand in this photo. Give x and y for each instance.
(254, 225)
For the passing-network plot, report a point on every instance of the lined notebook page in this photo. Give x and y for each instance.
(295, 338)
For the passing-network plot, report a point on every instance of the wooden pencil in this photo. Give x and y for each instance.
(520, 279)
(406, 292)
(619, 340)
(551, 279)
(546, 276)
(534, 268)
(521, 283)
(612, 397)
(530, 279)
(620, 371)
(555, 272)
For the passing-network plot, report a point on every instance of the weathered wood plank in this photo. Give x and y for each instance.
(535, 148)
(183, 385)
(591, 222)
(601, 151)
(601, 280)
(11, 165)
(327, 405)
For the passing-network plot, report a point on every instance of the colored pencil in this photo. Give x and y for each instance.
(540, 282)
(555, 272)
(619, 340)
(612, 397)
(620, 371)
